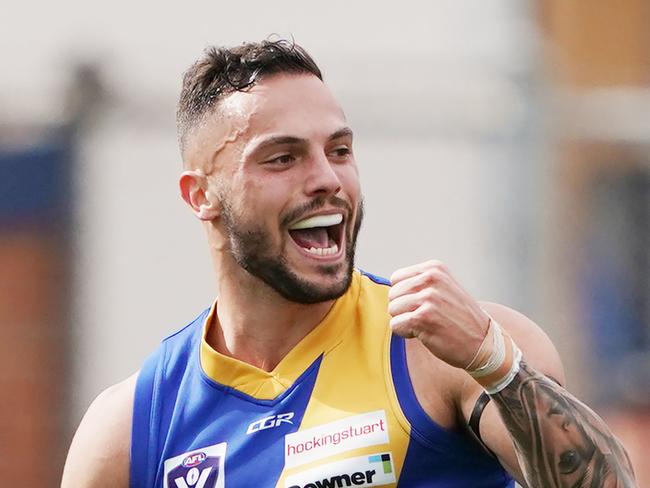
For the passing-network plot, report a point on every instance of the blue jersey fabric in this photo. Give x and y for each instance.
(191, 431)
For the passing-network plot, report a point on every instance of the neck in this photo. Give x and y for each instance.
(254, 324)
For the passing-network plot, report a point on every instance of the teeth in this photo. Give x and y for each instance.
(323, 251)
(318, 221)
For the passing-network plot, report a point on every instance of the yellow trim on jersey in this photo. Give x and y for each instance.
(342, 391)
(267, 385)
(356, 327)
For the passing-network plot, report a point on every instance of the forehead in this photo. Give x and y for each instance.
(281, 105)
(298, 105)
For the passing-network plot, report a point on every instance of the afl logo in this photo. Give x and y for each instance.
(194, 459)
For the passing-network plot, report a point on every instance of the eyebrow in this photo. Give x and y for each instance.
(344, 132)
(275, 140)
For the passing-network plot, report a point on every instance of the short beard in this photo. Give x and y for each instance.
(250, 247)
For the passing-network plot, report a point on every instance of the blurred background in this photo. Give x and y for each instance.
(509, 138)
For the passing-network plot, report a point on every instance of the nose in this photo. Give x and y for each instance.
(323, 178)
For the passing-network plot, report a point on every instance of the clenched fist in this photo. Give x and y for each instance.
(427, 303)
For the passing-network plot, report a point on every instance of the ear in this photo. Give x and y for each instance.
(193, 186)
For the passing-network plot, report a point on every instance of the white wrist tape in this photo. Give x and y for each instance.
(498, 353)
(507, 379)
(496, 359)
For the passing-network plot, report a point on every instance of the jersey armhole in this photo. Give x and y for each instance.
(426, 429)
(142, 466)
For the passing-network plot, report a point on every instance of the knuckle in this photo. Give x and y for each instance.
(392, 307)
(425, 311)
(430, 277)
(399, 326)
(429, 295)
(443, 277)
(429, 308)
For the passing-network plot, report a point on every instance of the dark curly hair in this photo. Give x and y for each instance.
(222, 71)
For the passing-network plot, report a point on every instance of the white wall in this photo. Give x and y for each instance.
(439, 95)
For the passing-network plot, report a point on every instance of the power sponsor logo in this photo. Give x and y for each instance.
(201, 468)
(367, 429)
(375, 470)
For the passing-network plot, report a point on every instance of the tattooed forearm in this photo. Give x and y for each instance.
(559, 441)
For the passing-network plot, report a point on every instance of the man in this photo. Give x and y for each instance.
(305, 372)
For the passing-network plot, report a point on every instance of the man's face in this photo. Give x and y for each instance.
(287, 185)
(565, 440)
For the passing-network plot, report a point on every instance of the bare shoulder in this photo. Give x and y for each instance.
(99, 453)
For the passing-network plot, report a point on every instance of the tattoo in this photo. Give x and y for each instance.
(558, 440)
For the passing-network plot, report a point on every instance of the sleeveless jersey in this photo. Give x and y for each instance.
(338, 411)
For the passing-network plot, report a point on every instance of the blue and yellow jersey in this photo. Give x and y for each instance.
(338, 411)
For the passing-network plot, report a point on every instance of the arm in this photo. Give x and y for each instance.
(542, 434)
(557, 440)
(99, 453)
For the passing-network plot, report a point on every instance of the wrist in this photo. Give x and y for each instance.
(497, 360)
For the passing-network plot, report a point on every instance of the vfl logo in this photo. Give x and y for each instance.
(196, 469)
(270, 422)
(194, 459)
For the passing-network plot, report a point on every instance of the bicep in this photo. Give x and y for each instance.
(99, 453)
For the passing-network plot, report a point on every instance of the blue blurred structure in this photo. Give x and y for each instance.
(36, 182)
(36, 208)
(616, 285)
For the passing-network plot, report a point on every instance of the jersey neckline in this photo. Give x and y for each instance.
(267, 385)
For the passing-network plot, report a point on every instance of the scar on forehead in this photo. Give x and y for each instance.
(212, 135)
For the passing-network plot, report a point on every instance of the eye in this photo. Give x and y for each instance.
(555, 409)
(569, 461)
(341, 152)
(282, 159)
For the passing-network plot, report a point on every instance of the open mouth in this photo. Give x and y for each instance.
(320, 235)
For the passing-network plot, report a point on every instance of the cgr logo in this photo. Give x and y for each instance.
(270, 422)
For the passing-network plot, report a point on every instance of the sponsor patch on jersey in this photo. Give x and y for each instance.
(201, 468)
(367, 429)
(373, 470)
